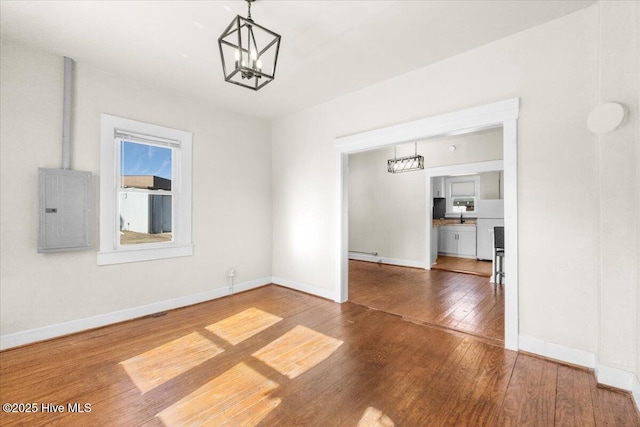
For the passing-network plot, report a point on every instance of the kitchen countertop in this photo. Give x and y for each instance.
(454, 221)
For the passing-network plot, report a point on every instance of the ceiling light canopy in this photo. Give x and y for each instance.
(405, 164)
(249, 52)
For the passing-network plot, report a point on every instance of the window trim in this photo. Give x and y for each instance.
(111, 252)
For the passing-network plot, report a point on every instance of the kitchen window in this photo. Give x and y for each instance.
(461, 194)
(145, 192)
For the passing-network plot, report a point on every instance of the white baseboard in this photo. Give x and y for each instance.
(303, 287)
(615, 377)
(458, 255)
(557, 352)
(635, 391)
(384, 260)
(66, 328)
(605, 375)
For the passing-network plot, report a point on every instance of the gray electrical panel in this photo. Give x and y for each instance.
(65, 210)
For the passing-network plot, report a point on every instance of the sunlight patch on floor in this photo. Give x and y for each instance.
(373, 417)
(297, 351)
(154, 367)
(243, 325)
(239, 396)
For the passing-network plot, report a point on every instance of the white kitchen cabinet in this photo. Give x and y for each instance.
(457, 240)
(467, 242)
(437, 186)
(447, 241)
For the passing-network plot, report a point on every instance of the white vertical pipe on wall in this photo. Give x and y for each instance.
(66, 113)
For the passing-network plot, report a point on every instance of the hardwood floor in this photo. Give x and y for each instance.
(277, 357)
(463, 302)
(463, 265)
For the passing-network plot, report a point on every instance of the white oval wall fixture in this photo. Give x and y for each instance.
(452, 148)
(606, 118)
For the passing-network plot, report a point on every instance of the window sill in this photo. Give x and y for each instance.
(146, 254)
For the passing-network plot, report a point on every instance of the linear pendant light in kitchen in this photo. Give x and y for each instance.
(405, 164)
(249, 52)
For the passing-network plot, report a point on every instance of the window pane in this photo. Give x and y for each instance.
(464, 188)
(145, 166)
(145, 218)
(463, 204)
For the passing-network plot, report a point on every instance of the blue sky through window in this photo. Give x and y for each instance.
(143, 159)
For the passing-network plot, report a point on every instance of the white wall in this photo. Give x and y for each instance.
(553, 68)
(387, 211)
(638, 207)
(619, 182)
(475, 147)
(231, 205)
(492, 185)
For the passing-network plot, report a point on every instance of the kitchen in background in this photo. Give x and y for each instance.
(465, 210)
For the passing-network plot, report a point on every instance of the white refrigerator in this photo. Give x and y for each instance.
(490, 214)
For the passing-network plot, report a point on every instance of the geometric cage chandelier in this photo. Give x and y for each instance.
(249, 52)
(405, 164)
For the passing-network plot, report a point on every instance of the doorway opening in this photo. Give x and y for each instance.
(387, 230)
(501, 114)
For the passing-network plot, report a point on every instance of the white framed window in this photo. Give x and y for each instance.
(145, 191)
(462, 194)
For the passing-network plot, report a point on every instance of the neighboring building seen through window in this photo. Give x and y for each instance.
(145, 193)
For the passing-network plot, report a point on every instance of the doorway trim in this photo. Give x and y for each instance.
(498, 114)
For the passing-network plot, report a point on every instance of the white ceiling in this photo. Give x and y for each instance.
(328, 49)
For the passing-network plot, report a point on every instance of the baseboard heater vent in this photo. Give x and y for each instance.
(366, 253)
